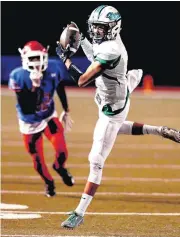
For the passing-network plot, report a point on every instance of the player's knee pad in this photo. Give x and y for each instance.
(96, 167)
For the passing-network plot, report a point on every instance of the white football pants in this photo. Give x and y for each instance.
(105, 134)
(106, 130)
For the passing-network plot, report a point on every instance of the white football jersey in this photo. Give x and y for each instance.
(112, 84)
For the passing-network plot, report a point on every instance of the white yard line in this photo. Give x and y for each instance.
(97, 194)
(33, 177)
(117, 146)
(101, 213)
(79, 155)
(111, 166)
(55, 236)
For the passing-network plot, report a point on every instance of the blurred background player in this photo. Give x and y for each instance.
(109, 70)
(35, 84)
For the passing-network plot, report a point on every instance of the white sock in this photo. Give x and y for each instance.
(148, 129)
(126, 128)
(83, 204)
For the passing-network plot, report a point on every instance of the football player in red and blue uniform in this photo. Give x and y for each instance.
(35, 84)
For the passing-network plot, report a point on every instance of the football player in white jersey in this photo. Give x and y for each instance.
(114, 84)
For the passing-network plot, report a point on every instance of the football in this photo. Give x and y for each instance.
(71, 36)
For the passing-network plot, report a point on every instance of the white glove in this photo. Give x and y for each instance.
(66, 119)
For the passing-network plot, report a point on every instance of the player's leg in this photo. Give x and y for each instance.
(34, 146)
(134, 128)
(105, 134)
(96, 166)
(55, 134)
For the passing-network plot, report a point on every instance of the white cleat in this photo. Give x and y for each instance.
(170, 133)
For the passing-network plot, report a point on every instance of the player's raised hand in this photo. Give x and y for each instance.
(63, 54)
(66, 119)
(69, 41)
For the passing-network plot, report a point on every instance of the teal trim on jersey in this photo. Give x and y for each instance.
(107, 110)
(102, 61)
(108, 64)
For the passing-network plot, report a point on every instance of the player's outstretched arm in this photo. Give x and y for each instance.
(83, 79)
(65, 49)
(93, 71)
(62, 96)
(65, 115)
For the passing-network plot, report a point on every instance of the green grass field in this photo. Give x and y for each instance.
(140, 191)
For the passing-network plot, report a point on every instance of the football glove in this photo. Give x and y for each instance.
(63, 53)
(66, 119)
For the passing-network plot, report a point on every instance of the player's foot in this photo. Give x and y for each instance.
(72, 221)
(65, 175)
(49, 192)
(171, 134)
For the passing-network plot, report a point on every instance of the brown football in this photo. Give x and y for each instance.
(70, 35)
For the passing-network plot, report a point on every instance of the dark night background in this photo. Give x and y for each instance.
(149, 31)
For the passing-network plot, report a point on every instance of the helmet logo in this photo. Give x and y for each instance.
(113, 16)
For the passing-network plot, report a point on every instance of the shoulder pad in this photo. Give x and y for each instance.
(52, 64)
(17, 71)
(108, 54)
(58, 67)
(107, 50)
(16, 79)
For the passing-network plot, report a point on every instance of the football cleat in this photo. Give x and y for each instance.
(65, 175)
(170, 133)
(50, 189)
(72, 221)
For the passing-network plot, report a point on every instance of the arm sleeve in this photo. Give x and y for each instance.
(87, 48)
(23, 98)
(62, 95)
(63, 72)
